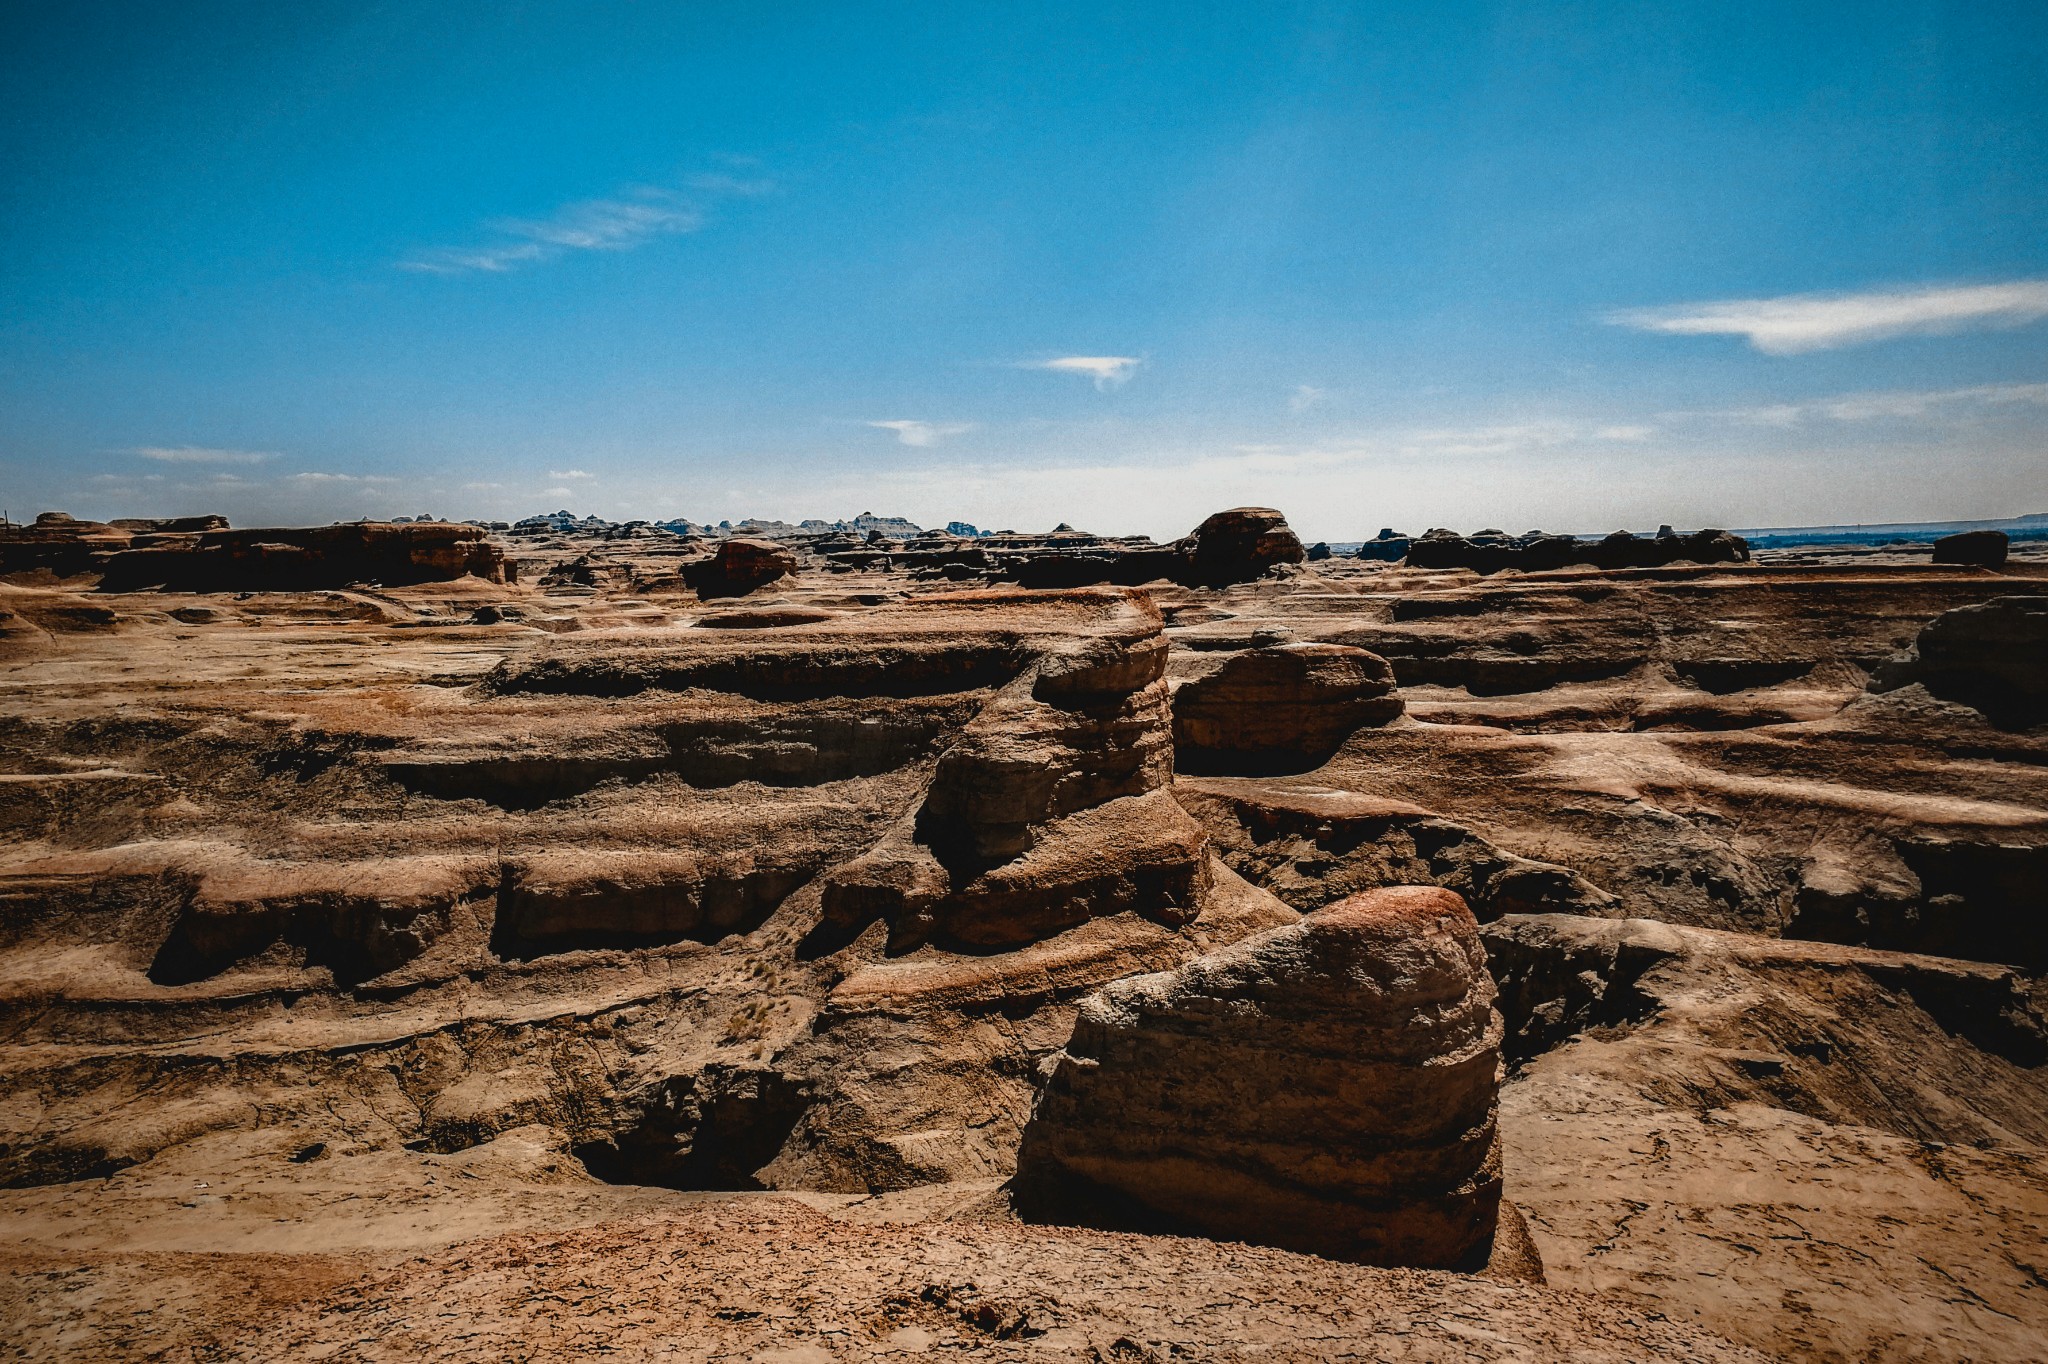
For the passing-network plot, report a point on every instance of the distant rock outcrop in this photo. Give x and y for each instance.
(305, 558)
(1491, 551)
(739, 566)
(1388, 546)
(59, 544)
(1983, 548)
(1288, 706)
(1237, 546)
(1330, 1086)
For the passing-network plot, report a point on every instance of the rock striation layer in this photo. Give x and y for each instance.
(1330, 1086)
(1289, 705)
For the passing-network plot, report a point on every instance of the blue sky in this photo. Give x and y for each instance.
(1568, 265)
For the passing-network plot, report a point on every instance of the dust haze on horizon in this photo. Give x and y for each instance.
(1120, 266)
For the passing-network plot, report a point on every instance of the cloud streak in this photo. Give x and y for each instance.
(923, 433)
(632, 218)
(1108, 371)
(1798, 323)
(199, 454)
(1857, 407)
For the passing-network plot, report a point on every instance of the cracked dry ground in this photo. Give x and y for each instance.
(383, 985)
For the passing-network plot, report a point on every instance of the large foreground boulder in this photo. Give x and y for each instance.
(1993, 656)
(1283, 707)
(1329, 1087)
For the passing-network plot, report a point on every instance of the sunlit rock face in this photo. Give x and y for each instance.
(1330, 1087)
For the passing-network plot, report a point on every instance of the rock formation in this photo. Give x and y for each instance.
(340, 926)
(739, 566)
(1993, 656)
(1491, 551)
(1329, 1087)
(60, 545)
(1984, 548)
(1050, 808)
(304, 558)
(1237, 546)
(1282, 707)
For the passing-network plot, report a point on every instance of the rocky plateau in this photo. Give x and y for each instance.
(430, 940)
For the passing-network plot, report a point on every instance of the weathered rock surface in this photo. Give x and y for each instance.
(399, 915)
(1288, 706)
(1992, 656)
(1827, 1152)
(1327, 1087)
(1049, 808)
(1311, 845)
(773, 1279)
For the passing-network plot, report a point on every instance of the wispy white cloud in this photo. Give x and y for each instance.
(1493, 440)
(1108, 371)
(1305, 396)
(315, 477)
(559, 474)
(1797, 323)
(1897, 404)
(637, 215)
(481, 487)
(738, 186)
(199, 454)
(923, 433)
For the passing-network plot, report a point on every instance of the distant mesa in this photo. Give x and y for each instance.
(200, 554)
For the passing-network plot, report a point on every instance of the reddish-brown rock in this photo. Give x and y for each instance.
(1290, 705)
(741, 565)
(1329, 1087)
(1237, 546)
